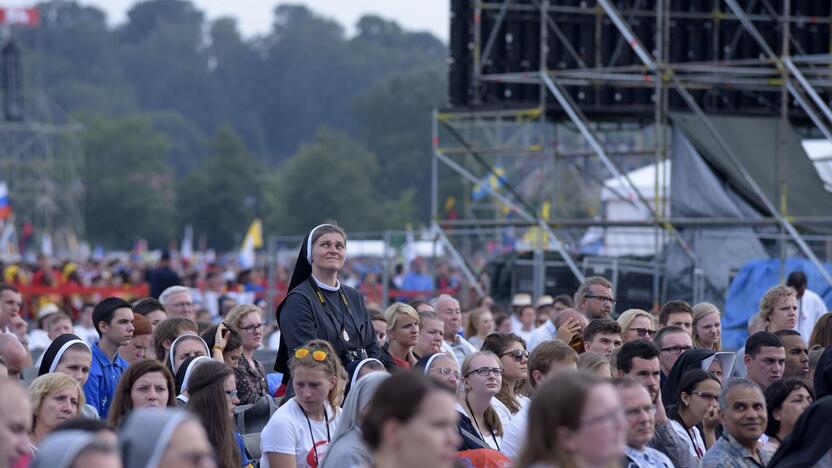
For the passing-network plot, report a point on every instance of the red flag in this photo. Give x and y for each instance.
(20, 16)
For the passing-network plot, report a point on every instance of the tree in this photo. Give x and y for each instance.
(129, 186)
(223, 195)
(334, 178)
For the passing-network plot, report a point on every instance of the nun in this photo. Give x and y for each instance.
(347, 447)
(720, 363)
(183, 375)
(184, 347)
(318, 306)
(168, 438)
(75, 449)
(70, 355)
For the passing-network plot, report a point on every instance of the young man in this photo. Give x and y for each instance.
(742, 412)
(765, 358)
(677, 313)
(641, 418)
(671, 341)
(640, 360)
(10, 303)
(810, 306)
(594, 298)
(57, 325)
(547, 359)
(797, 354)
(602, 336)
(113, 319)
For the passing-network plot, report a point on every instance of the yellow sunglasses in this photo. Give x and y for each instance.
(317, 355)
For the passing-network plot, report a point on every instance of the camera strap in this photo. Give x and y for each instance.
(334, 315)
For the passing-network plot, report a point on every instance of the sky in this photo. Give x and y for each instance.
(255, 16)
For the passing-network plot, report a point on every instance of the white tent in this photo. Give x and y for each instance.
(621, 203)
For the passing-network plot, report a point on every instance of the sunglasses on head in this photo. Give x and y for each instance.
(317, 354)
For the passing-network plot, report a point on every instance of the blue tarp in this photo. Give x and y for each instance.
(749, 286)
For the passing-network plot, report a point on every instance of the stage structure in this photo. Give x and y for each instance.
(560, 113)
(40, 154)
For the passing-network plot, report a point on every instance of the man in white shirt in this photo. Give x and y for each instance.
(448, 309)
(547, 359)
(810, 306)
(640, 412)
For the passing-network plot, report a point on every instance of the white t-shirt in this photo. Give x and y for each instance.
(695, 445)
(514, 434)
(809, 309)
(503, 411)
(287, 432)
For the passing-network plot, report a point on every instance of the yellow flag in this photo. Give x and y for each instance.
(255, 234)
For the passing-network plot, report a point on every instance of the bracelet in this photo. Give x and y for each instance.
(218, 348)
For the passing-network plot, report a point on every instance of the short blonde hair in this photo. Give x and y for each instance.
(473, 317)
(239, 312)
(626, 319)
(700, 311)
(49, 383)
(770, 298)
(399, 308)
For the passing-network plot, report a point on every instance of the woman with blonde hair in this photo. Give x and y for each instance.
(479, 325)
(247, 320)
(479, 422)
(595, 364)
(575, 420)
(707, 328)
(402, 336)
(778, 308)
(55, 398)
(822, 332)
(636, 324)
(299, 433)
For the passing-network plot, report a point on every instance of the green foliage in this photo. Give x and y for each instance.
(222, 196)
(129, 186)
(333, 178)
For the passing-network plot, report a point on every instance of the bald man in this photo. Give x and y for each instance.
(14, 355)
(15, 422)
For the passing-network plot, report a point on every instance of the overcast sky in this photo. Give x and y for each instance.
(255, 16)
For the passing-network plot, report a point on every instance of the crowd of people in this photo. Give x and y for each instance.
(553, 382)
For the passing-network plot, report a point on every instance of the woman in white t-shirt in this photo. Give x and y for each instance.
(514, 359)
(299, 432)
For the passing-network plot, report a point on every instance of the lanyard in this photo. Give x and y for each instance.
(331, 313)
(312, 434)
(477, 426)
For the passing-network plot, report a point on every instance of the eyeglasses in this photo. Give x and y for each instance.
(317, 354)
(484, 371)
(642, 332)
(253, 328)
(677, 349)
(231, 393)
(446, 371)
(601, 298)
(517, 354)
(617, 416)
(709, 397)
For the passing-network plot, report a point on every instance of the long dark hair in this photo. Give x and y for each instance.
(207, 400)
(689, 381)
(498, 343)
(123, 402)
(776, 394)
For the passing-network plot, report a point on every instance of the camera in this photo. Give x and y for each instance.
(357, 354)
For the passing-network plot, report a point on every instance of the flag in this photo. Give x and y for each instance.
(5, 207)
(253, 240)
(489, 184)
(187, 249)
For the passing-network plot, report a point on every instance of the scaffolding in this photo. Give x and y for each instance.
(506, 153)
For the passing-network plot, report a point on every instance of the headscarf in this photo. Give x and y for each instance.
(60, 448)
(358, 399)
(53, 354)
(354, 367)
(146, 434)
(426, 361)
(302, 271)
(726, 360)
(185, 370)
(823, 374)
(173, 345)
(810, 439)
(691, 359)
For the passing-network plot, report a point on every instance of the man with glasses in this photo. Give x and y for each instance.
(672, 341)
(178, 302)
(640, 360)
(641, 417)
(594, 298)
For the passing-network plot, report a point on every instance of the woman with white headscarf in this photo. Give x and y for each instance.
(153, 438)
(75, 448)
(318, 306)
(347, 448)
